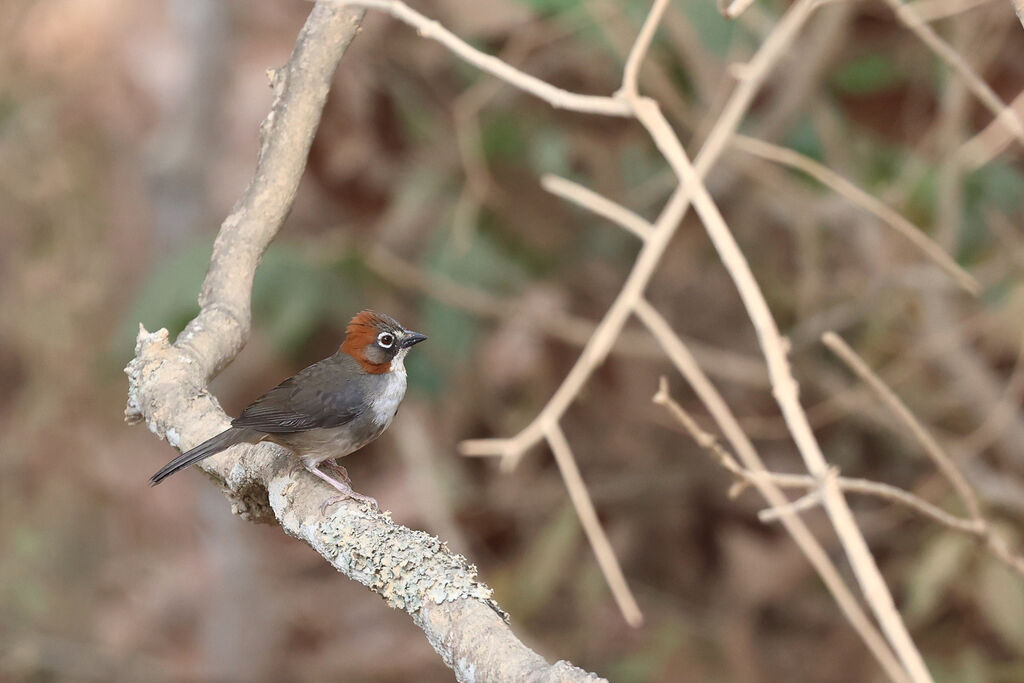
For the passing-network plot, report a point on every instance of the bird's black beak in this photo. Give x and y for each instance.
(412, 339)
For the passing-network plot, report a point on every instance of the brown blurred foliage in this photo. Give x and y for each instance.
(128, 129)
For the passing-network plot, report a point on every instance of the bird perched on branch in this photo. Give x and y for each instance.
(328, 410)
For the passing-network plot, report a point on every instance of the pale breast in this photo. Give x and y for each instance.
(388, 397)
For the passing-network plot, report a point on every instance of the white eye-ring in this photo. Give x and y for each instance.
(386, 340)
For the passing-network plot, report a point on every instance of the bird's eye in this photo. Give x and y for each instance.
(386, 340)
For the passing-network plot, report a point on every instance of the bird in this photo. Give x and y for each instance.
(328, 410)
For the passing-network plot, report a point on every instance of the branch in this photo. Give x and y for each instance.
(1009, 119)
(684, 361)
(942, 461)
(786, 392)
(930, 11)
(978, 527)
(599, 204)
(844, 187)
(892, 494)
(601, 342)
(433, 30)
(592, 526)
(410, 569)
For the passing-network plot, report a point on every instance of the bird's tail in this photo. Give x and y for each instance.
(227, 438)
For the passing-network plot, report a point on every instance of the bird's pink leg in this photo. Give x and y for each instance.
(338, 470)
(343, 488)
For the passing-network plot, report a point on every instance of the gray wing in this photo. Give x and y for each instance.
(317, 397)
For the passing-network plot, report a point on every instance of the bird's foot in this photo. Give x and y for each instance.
(344, 487)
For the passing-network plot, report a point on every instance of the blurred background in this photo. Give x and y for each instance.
(127, 131)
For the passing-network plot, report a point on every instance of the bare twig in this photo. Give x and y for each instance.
(981, 526)
(592, 526)
(556, 97)
(1009, 118)
(942, 461)
(844, 187)
(1000, 417)
(933, 10)
(786, 393)
(684, 361)
(990, 141)
(613, 20)
(639, 51)
(887, 492)
(599, 204)
(409, 569)
(735, 8)
(600, 343)
(978, 528)
(809, 500)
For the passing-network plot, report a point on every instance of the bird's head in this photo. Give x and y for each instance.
(378, 342)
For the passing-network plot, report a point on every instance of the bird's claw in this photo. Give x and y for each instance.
(334, 500)
(343, 487)
(295, 468)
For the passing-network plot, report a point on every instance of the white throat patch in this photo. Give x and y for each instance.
(398, 362)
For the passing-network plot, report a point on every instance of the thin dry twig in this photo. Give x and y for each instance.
(592, 526)
(599, 204)
(811, 499)
(735, 8)
(612, 19)
(882, 491)
(631, 72)
(684, 361)
(998, 419)
(933, 10)
(977, 528)
(845, 188)
(989, 142)
(981, 526)
(600, 343)
(887, 492)
(1009, 118)
(433, 30)
(786, 393)
(942, 461)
